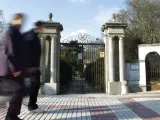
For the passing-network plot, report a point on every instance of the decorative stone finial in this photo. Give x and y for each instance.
(114, 17)
(50, 17)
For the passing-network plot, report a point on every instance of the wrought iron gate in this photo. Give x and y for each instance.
(82, 64)
(153, 71)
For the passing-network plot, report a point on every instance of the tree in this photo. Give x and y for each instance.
(71, 51)
(2, 23)
(143, 18)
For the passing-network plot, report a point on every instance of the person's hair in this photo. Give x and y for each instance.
(17, 18)
(38, 23)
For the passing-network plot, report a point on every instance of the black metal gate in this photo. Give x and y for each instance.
(82, 65)
(153, 71)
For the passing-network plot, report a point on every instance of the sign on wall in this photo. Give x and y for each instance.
(101, 54)
(134, 67)
(62, 54)
(80, 56)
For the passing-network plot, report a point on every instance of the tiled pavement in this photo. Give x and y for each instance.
(76, 106)
(93, 107)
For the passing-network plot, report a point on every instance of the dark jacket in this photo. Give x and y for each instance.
(12, 52)
(33, 48)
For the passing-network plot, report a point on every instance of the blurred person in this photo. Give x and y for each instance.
(33, 64)
(12, 64)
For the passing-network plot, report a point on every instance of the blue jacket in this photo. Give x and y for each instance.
(33, 48)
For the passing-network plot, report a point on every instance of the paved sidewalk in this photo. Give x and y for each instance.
(93, 107)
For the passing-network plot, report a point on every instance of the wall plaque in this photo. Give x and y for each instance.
(134, 67)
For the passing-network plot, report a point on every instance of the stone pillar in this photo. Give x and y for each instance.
(111, 71)
(122, 67)
(42, 77)
(52, 88)
(58, 59)
(111, 59)
(53, 64)
(52, 30)
(42, 66)
(106, 62)
(113, 30)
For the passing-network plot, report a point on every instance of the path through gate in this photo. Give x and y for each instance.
(82, 65)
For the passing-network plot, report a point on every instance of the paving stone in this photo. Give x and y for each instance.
(81, 107)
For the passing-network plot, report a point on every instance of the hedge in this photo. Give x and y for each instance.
(94, 74)
(65, 75)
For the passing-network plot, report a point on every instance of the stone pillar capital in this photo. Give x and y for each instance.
(54, 36)
(110, 37)
(42, 38)
(105, 33)
(121, 38)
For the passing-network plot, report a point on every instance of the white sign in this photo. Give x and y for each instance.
(134, 67)
(80, 56)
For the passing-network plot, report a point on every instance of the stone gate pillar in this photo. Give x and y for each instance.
(112, 30)
(52, 33)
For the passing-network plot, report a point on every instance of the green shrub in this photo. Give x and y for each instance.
(94, 74)
(65, 75)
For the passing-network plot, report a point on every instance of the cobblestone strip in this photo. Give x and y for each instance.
(64, 110)
(99, 110)
(58, 107)
(78, 116)
(31, 116)
(47, 108)
(74, 110)
(91, 109)
(69, 109)
(151, 103)
(121, 111)
(88, 113)
(3, 111)
(142, 111)
(52, 109)
(42, 105)
(24, 110)
(106, 112)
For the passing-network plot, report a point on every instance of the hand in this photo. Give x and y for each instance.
(16, 74)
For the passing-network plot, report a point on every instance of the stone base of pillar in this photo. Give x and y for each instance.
(107, 88)
(124, 88)
(51, 88)
(143, 88)
(41, 90)
(114, 88)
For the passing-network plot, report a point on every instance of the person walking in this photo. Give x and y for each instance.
(33, 64)
(12, 65)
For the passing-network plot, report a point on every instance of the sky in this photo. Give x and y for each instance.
(76, 16)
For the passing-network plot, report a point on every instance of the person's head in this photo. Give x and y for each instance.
(17, 20)
(39, 26)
